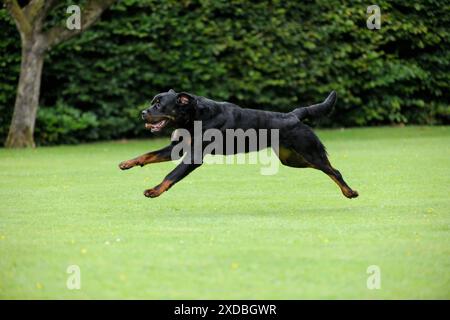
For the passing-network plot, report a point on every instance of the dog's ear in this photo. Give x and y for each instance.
(172, 91)
(184, 99)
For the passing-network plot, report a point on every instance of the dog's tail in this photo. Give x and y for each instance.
(317, 110)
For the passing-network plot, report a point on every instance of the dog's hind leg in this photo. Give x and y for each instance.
(324, 165)
(291, 158)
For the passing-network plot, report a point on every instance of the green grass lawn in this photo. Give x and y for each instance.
(227, 231)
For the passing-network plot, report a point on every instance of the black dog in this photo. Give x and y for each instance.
(298, 145)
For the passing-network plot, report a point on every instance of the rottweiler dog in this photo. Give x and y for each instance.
(298, 146)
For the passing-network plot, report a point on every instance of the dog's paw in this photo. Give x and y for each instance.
(124, 165)
(351, 194)
(153, 193)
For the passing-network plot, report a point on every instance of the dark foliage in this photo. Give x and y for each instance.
(273, 55)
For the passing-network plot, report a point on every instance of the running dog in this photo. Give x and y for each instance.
(298, 146)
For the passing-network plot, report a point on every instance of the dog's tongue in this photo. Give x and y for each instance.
(155, 126)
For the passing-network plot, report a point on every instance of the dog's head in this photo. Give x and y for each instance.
(169, 108)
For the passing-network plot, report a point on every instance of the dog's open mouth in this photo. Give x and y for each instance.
(156, 126)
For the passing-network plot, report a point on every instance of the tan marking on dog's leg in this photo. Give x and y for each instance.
(156, 191)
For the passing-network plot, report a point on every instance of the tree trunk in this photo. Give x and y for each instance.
(30, 21)
(27, 99)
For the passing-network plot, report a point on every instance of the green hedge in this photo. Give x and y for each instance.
(265, 54)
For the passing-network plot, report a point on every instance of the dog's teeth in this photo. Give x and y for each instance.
(155, 126)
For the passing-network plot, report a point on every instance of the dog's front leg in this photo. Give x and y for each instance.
(161, 155)
(181, 171)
